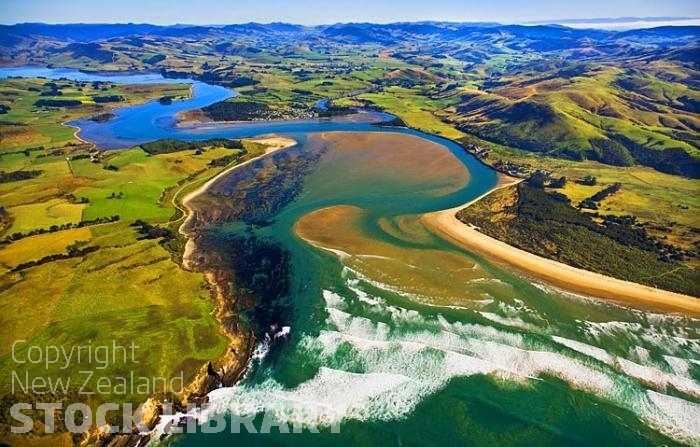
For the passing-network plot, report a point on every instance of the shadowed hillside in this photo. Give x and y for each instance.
(593, 111)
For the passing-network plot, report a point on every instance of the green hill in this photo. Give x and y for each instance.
(619, 117)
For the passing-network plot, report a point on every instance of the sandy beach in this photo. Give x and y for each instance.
(275, 143)
(446, 224)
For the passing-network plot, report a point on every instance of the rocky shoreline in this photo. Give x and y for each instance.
(230, 368)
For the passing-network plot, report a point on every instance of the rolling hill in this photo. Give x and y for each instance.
(593, 111)
(619, 97)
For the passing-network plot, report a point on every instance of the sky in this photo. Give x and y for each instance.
(334, 11)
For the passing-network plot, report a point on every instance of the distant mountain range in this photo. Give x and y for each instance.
(352, 33)
(621, 23)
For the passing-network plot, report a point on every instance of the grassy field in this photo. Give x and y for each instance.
(26, 250)
(129, 289)
(44, 215)
(667, 204)
(415, 108)
(29, 126)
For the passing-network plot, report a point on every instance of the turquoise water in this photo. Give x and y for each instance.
(486, 357)
(510, 363)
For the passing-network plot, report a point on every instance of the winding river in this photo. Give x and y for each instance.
(398, 337)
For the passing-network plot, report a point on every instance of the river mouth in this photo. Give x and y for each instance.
(395, 331)
(386, 177)
(424, 275)
(398, 336)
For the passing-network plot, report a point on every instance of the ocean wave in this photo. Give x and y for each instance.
(381, 370)
(649, 375)
(674, 417)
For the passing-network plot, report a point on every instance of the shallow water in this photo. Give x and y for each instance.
(403, 339)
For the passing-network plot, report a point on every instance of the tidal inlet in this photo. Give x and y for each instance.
(397, 335)
(398, 224)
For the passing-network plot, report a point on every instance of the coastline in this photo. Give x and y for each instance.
(77, 136)
(276, 143)
(446, 225)
(93, 145)
(240, 347)
(235, 364)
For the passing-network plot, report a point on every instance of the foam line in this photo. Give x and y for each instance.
(374, 370)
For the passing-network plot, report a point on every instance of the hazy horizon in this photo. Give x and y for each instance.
(594, 13)
(604, 23)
